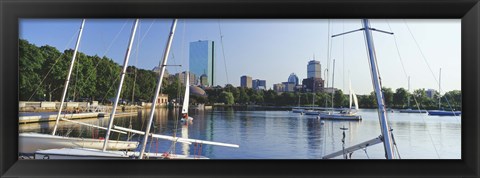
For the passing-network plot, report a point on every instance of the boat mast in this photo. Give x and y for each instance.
(439, 89)
(157, 90)
(119, 90)
(408, 101)
(68, 77)
(386, 133)
(333, 81)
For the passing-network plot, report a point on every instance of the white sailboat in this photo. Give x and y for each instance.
(349, 114)
(31, 142)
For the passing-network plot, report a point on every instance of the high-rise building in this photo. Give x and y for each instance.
(293, 79)
(258, 84)
(313, 84)
(314, 69)
(246, 81)
(202, 59)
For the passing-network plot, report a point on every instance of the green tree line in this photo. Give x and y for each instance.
(397, 99)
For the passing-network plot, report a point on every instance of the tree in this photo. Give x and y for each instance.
(340, 100)
(227, 97)
(400, 97)
(30, 66)
(388, 96)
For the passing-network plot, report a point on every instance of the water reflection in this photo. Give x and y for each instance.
(277, 134)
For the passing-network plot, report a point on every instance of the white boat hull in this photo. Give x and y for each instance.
(82, 153)
(31, 142)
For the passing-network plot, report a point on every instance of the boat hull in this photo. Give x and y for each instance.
(82, 153)
(444, 113)
(31, 142)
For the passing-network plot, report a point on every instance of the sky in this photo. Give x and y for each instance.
(272, 49)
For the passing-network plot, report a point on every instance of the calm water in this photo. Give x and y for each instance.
(282, 134)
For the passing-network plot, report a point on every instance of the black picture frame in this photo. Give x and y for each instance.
(12, 10)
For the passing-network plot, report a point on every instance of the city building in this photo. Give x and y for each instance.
(258, 84)
(202, 59)
(157, 70)
(162, 99)
(246, 81)
(293, 79)
(430, 93)
(313, 84)
(330, 90)
(279, 87)
(204, 80)
(181, 78)
(314, 69)
(289, 86)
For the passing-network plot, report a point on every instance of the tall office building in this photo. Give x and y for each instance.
(246, 81)
(314, 69)
(202, 59)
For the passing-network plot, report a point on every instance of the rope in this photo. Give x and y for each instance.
(428, 65)
(418, 106)
(223, 50)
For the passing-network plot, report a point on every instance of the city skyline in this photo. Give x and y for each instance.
(264, 49)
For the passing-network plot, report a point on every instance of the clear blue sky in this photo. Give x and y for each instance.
(272, 49)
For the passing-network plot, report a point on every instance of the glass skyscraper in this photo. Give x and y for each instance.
(202, 59)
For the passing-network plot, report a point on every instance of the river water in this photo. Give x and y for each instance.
(265, 134)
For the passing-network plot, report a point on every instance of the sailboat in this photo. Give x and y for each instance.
(85, 153)
(441, 112)
(410, 110)
(31, 142)
(350, 114)
(185, 118)
(298, 109)
(386, 136)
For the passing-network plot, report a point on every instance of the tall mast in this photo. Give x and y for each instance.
(439, 88)
(119, 90)
(68, 77)
(333, 81)
(386, 133)
(408, 91)
(157, 90)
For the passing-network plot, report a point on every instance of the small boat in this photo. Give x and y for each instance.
(444, 113)
(409, 110)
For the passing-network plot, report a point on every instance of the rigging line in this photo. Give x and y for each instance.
(426, 62)
(56, 60)
(401, 62)
(343, 55)
(428, 65)
(223, 50)
(108, 49)
(328, 61)
(414, 98)
(144, 35)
